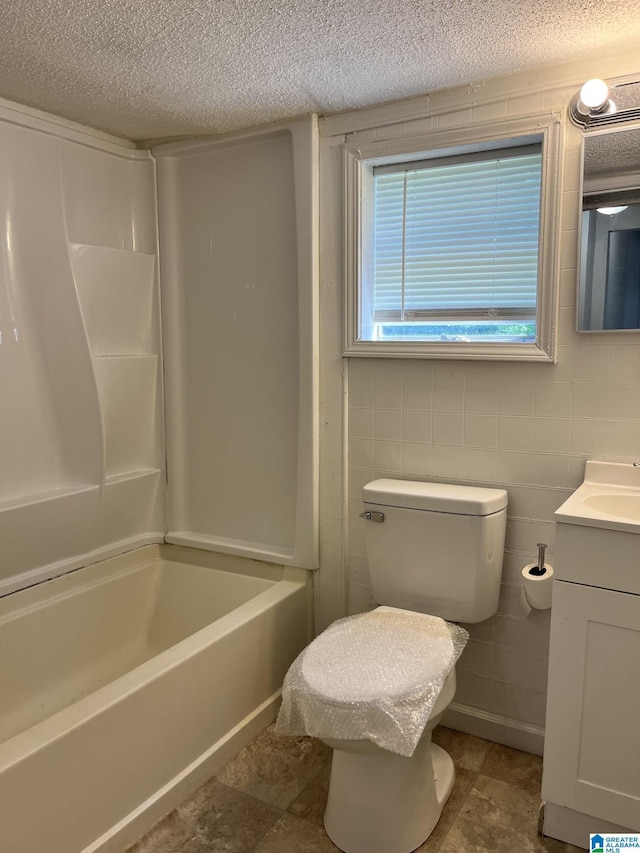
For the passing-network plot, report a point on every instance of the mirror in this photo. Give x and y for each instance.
(609, 263)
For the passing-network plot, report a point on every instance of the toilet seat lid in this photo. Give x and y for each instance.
(382, 656)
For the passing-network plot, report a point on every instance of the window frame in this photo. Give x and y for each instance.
(360, 159)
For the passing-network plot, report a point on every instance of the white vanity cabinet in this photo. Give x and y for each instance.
(591, 777)
(592, 737)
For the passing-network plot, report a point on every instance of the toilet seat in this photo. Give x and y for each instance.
(376, 676)
(388, 657)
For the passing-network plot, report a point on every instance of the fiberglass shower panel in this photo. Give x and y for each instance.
(238, 274)
(81, 445)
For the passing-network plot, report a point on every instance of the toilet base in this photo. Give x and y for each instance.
(381, 802)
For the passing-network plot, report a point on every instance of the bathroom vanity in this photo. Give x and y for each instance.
(591, 780)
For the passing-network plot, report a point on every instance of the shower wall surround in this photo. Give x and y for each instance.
(81, 446)
(81, 434)
(238, 238)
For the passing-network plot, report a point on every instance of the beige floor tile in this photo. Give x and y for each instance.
(167, 836)
(292, 834)
(519, 803)
(240, 810)
(515, 767)
(216, 819)
(464, 782)
(466, 750)
(313, 800)
(276, 769)
(500, 817)
(510, 798)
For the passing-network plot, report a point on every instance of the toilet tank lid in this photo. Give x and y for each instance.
(436, 497)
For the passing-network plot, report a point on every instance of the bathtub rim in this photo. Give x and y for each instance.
(52, 571)
(142, 554)
(286, 581)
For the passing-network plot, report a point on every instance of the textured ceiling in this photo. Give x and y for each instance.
(148, 69)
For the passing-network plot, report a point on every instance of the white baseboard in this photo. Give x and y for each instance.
(163, 801)
(504, 730)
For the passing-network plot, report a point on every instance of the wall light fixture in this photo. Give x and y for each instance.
(591, 101)
(611, 211)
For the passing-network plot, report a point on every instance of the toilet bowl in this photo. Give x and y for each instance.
(380, 801)
(375, 689)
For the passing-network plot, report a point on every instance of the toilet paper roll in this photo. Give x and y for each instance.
(537, 589)
(525, 610)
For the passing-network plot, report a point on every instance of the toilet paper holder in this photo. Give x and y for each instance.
(537, 584)
(540, 569)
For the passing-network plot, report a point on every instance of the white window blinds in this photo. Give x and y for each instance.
(457, 238)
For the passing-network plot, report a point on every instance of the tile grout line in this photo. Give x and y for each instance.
(283, 811)
(269, 828)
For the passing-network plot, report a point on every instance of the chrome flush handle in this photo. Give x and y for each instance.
(372, 515)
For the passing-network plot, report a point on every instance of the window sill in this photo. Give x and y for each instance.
(448, 350)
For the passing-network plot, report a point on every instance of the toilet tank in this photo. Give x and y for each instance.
(435, 547)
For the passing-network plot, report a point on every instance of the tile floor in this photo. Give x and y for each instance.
(270, 798)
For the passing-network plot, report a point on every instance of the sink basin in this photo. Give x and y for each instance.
(596, 542)
(617, 506)
(609, 497)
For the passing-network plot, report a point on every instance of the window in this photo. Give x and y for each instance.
(445, 249)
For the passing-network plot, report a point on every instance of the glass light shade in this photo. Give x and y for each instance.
(594, 94)
(611, 211)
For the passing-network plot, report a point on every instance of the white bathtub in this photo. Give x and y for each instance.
(124, 685)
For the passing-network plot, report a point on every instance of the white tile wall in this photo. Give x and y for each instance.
(527, 428)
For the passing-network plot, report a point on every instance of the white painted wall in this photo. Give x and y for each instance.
(527, 428)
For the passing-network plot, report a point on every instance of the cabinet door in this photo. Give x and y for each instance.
(592, 737)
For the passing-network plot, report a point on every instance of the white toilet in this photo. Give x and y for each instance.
(436, 549)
